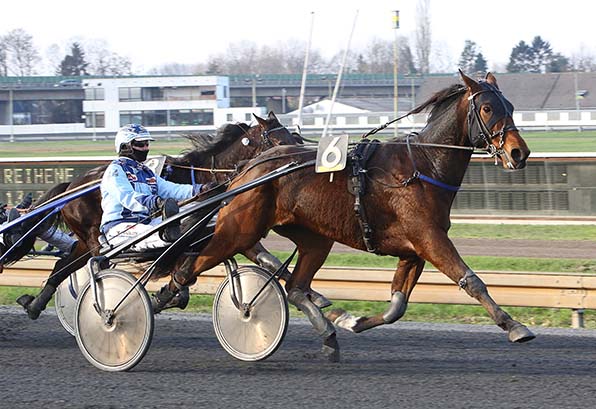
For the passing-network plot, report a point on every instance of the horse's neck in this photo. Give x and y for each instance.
(445, 164)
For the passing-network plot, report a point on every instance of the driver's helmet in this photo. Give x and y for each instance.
(129, 133)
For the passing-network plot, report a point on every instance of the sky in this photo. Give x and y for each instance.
(153, 33)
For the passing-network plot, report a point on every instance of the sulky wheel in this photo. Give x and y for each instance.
(250, 332)
(66, 298)
(117, 341)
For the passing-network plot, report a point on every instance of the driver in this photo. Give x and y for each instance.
(131, 193)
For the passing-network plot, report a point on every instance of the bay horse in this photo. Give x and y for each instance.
(232, 144)
(411, 185)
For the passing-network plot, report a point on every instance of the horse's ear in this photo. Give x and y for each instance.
(490, 78)
(261, 121)
(271, 116)
(472, 85)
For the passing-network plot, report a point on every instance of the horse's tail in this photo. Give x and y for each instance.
(53, 192)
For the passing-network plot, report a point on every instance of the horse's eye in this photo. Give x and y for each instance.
(487, 109)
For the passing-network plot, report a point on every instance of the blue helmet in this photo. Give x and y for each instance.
(129, 133)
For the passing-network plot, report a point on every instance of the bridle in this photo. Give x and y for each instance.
(266, 142)
(267, 139)
(482, 130)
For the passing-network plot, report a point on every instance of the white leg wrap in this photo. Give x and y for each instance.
(346, 321)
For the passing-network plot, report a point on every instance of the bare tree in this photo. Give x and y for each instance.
(178, 69)
(21, 54)
(3, 57)
(423, 36)
(377, 57)
(583, 60)
(53, 57)
(102, 61)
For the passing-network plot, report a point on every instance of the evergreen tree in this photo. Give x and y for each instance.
(542, 54)
(74, 64)
(558, 63)
(467, 60)
(480, 64)
(521, 58)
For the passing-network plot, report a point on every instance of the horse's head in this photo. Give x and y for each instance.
(490, 122)
(272, 132)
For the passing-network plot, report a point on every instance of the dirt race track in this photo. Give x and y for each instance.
(487, 247)
(403, 365)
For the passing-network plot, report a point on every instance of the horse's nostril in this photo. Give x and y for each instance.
(517, 155)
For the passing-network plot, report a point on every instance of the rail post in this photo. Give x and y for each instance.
(577, 318)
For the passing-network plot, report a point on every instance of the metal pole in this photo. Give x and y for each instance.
(10, 114)
(579, 126)
(341, 69)
(395, 113)
(93, 118)
(304, 70)
(395, 105)
(283, 100)
(254, 91)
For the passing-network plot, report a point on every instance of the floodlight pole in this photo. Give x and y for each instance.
(304, 71)
(579, 126)
(395, 108)
(11, 113)
(338, 81)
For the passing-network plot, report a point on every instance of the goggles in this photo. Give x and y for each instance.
(140, 144)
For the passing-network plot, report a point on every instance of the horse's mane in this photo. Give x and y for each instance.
(440, 101)
(205, 146)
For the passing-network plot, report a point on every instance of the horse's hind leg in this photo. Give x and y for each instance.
(259, 255)
(62, 269)
(405, 278)
(443, 255)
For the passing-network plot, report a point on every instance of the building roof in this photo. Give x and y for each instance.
(528, 91)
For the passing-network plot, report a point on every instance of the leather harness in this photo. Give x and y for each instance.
(357, 160)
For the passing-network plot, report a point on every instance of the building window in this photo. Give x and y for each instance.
(191, 117)
(152, 94)
(373, 120)
(248, 117)
(94, 94)
(528, 116)
(229, 118)
(574, 116)
(553, 116)
(129, 94)
(352, 120)
(131, 117)
(46, 112)
(155, 118)
(95, 120)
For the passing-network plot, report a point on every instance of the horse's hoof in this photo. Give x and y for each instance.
(165, 298)
(180, 300)
(319, 299)
(520, 333)
(330, 348)
(25, 301)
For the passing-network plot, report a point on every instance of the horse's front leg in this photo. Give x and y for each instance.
(405, 278)
(312, 253)
(440, 251)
